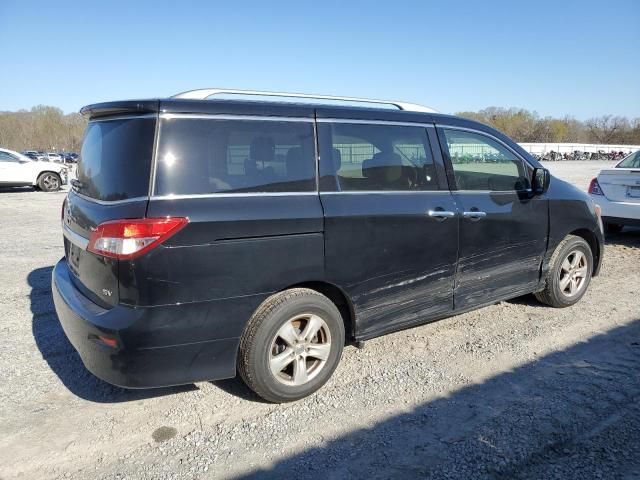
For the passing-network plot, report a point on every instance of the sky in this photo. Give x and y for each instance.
(560, 57)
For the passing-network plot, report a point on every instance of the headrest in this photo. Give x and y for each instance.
(262, 149)
(294, 161)
(384, 167)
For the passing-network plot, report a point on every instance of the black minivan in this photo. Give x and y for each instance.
(205, 236)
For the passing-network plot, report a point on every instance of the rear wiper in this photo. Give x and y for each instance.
(77, 184)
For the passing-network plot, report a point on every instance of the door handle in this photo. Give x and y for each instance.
(441, 214)
(474, 215)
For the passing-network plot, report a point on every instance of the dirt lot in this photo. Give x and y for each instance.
(579, 173)
(515, 390)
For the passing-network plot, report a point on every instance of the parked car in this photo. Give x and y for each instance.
(617, 191)
(54, 157)
(17, 170)
(208, 237)
(70, 157)
(34, 155)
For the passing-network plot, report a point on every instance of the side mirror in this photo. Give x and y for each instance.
(540, 181)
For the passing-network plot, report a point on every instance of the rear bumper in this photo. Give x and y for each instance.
(84, 323)
(619, 210)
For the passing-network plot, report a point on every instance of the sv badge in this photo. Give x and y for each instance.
(106, 293)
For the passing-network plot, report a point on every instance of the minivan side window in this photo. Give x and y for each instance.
(204, 156)
(378, 157)
(481, 163)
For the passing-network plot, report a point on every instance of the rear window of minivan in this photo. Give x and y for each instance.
(199, 156)
(116, 159)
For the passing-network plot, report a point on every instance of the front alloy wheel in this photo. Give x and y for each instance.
(49, 182)
(573, 273)
(568, 274)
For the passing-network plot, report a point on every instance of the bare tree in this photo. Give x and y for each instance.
(605, 129)
(42, 128)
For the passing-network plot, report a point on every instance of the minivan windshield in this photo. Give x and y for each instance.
(115, 162)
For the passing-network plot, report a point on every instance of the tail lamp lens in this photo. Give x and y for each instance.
(127, 239)
(594, 187)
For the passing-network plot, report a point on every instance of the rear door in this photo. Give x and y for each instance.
(503, 230)
(13, 172)
(113, 183)
(622, 184)
(247, 183)
(391, 233)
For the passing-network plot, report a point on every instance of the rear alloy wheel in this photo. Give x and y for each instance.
(300, 349)
(569, 273)
(49, 182)
(291, 345)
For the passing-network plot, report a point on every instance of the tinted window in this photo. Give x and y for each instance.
(200, 156)
(5, 157)
(116, 159)
(378, 157)
(480, 163)
(632, 161)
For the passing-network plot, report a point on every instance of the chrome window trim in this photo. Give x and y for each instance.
(421, 125)
(123, 117)
(75, 238)
(492, 191)
(486, 134)
(385, 192)
(225, 116)
(154, 158)
(316, 151)
(374, 122)
(109, 202)
(232, 195)
(215, 116)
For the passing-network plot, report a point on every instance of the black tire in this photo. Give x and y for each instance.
(49, 182)
(261, 343)
(612, 228)
(554, 294)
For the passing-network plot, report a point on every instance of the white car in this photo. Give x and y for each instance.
(617, 191)
(54, 157)
(17, 170)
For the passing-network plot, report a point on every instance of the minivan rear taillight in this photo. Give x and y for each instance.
(594, 187)
(130, 238)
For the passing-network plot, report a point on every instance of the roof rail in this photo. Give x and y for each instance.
(205, 93)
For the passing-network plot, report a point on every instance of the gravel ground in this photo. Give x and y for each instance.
(578, 172)
(515, 390)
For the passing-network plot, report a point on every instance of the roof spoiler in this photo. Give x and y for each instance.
(127, 107)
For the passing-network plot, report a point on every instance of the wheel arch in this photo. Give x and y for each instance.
(46, 171)
(592, 240)
(340, 299)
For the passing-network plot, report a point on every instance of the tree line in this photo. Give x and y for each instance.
(42, 128)
(46, 128)
(526, 126)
